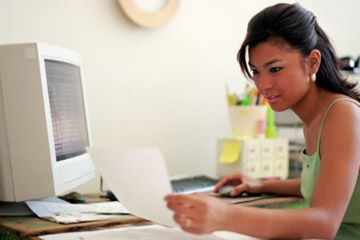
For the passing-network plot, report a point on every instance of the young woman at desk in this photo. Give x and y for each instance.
(293, 65)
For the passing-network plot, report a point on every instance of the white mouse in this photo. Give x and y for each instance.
(226, 190)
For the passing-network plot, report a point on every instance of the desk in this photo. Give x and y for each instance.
(29, 227)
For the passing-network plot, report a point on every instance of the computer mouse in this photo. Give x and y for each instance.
(226, 190)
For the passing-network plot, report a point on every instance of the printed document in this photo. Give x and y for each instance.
(139, 179)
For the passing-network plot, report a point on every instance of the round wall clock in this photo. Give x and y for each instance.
(149, 13)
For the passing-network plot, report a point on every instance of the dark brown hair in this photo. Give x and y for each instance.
(299, 28)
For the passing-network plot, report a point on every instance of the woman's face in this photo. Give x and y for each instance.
(280, 73)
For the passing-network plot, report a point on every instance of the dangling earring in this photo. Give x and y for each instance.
(313, 77)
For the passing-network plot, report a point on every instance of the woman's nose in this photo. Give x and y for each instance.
(264, 83)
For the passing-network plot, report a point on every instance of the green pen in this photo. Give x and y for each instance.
(246, 101)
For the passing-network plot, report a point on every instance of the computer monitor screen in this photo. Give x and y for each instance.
(67, 109)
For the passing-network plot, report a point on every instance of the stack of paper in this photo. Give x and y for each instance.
(72, 213)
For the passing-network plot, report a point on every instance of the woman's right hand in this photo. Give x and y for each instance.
(241, 182)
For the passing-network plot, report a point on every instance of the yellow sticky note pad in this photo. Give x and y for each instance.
(231, 152)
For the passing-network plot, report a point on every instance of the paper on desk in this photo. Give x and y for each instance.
(152, 232)
(139, 179)
(72, 213)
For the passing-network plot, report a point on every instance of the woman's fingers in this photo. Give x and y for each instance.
(232, 179)
(239, 189)
(221, 183)
(183, 203)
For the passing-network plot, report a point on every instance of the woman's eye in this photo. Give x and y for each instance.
(275, 69)
(254, 71)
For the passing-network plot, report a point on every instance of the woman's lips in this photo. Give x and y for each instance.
(272, 98)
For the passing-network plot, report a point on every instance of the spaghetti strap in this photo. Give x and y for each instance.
(326, 112)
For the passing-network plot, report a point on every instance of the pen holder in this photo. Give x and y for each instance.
(244, 120)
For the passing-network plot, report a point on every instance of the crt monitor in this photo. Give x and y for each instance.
(43, 122)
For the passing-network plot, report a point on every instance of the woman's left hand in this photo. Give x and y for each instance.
(197, 213)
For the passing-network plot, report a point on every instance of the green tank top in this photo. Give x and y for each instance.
(350, 227)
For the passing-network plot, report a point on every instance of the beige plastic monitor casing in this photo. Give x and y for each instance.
(28, 166)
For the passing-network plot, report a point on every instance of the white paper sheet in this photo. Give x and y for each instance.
(152, 232)
(73, 213)
(139, 179)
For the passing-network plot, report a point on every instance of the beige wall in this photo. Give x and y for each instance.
(160, 87)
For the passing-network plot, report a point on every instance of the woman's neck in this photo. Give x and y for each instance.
(311, 105)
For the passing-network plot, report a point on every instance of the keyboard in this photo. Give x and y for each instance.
(199, 183)
(185, 185)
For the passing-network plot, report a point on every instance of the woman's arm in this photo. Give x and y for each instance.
(281, 187)
(201, 214)
(279, 224)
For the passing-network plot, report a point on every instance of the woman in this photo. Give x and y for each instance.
(293, 65)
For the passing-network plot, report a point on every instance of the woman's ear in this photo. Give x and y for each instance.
(313, 60)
